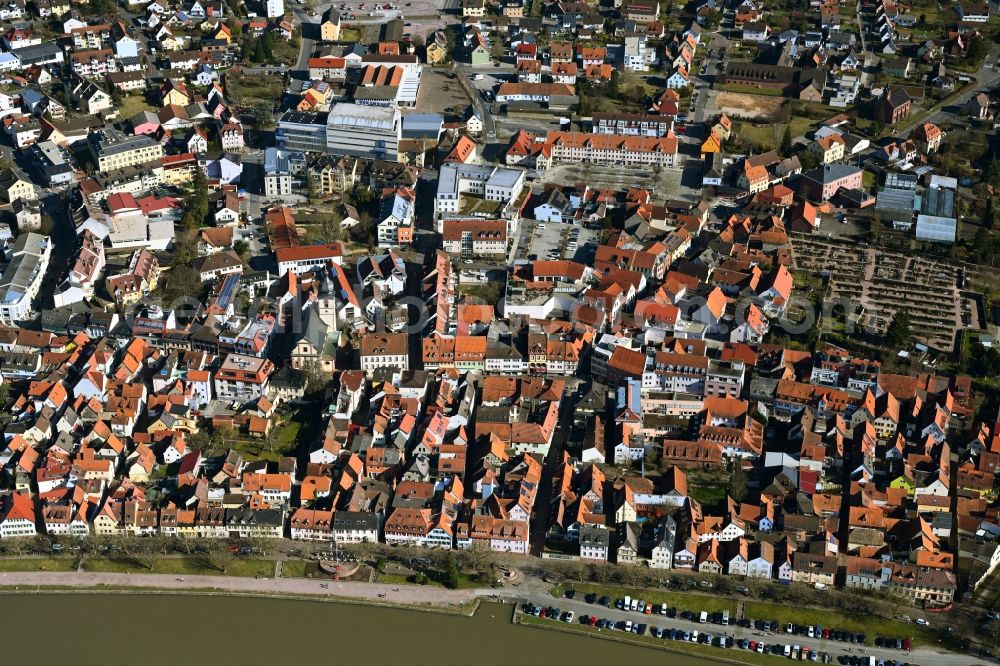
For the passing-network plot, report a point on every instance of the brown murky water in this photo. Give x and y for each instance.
(107, 630)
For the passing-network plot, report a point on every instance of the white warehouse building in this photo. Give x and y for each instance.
(363, 131)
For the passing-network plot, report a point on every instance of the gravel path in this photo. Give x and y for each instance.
(395, 594)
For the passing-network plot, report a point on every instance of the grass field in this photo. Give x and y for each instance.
(800, 125)
(133, 104)
(434, 579)
(870, 625)
(243, 568)
(765, 136)
(679, 646)
(350, 35)
(679, 600)
(293, 569)
(247, 89)
(39, 564)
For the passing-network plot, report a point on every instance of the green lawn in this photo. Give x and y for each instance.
(400, 579)
(709, 488)
(133, 104)
(765, 136)
(38, 564)
(293, 569)
(246, 89)
(679, 600)
(709, 495)
(350, 35)
(871, 625)
(289, 434)
(800, 125)
(244, 568)
(744, 657)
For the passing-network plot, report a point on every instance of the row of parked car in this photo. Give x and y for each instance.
(893, 643)
(809, 631)
(791, 651)
(818, 631)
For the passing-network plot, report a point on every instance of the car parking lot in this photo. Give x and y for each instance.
(764, 636)
(554, 241)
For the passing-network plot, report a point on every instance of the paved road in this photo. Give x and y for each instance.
(986, 77)
(484, 110)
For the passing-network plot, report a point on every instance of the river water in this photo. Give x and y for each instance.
(107, 630)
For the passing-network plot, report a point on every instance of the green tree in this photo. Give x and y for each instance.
(222, 435)
(985, 361)
(267, 41)
(316, 377)
(364, 231)
(199, 441)
(786, 140)
(242, 248)
(738, 482)
(101, 7)
(992, 171)
(898, 332)
(196, 205)
(977, 51)
(328, 229)
(263, 114)
(258, 55)
(179, 282)
(452, 579)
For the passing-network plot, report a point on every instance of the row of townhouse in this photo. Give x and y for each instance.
(19, 518)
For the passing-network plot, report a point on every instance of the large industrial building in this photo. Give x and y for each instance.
(349, 129)
(302, 131)
(363, 131)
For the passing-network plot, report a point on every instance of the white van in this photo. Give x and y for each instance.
(725, 618)
(704, 617)
(634, 605)
(626, 603)
(788, 650)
